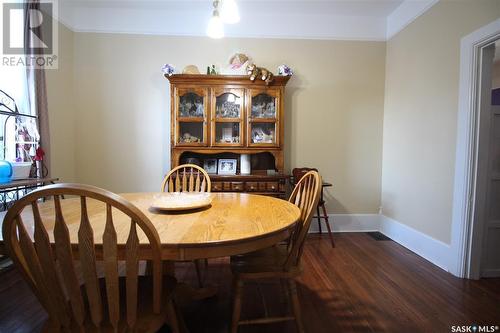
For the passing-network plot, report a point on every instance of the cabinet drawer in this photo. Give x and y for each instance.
(237, 186)
(252, 186)
(217, 186)
(226, 186)
(272, 186)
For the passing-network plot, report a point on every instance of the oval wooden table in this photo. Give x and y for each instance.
(234, 223)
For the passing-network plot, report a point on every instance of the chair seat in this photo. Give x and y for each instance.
(147, 320)
(268, 260)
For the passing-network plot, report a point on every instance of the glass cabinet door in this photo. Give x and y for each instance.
(262, 133)
(263, 106)
(263, 117)
(227, 117)
(191, 117)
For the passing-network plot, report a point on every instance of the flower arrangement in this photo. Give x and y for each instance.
(284, 70)
(168, 69)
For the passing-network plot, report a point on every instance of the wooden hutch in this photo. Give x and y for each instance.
(223, 117)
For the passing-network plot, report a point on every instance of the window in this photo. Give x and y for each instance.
(19, 136)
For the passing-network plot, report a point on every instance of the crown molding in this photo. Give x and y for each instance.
(405, 14)
(175, 19)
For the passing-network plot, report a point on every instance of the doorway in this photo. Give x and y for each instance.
(485, 247)
(475, 243)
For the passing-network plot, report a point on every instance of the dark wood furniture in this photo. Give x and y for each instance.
(101, 304)
(281, 261)
(222, 117)
(297, 174)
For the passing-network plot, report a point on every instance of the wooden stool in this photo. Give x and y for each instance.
(324, 216)
(297, 174)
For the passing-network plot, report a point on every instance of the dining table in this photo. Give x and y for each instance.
(233, 223)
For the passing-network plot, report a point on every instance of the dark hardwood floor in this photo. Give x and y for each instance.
(362, 285)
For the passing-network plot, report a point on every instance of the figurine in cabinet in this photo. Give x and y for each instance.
(187, 138)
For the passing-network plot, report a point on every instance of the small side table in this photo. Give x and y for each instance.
(324, 216)
(23, 185)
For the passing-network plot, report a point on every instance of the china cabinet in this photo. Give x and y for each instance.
(223, 117)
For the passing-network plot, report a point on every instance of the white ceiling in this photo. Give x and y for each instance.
(327, 19)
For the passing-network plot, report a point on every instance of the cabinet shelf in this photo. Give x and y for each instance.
(191, 120)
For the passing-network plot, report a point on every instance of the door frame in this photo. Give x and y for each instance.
(464, 234)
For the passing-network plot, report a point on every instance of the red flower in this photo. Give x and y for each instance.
(39, 154)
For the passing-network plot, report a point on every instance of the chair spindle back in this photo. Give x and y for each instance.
(49, 268)
(186, 178)
(305, 195)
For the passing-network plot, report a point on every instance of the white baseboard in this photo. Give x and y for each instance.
(348, 223)
(425, 246)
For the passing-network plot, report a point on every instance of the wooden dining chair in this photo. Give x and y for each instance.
(110, 303)
(297, 174)
(188, 178)
(281, 261)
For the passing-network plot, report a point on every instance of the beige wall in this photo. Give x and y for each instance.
(334, 108)
(62, 111)
(420, 116)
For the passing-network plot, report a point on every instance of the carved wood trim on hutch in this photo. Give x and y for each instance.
(204, 139)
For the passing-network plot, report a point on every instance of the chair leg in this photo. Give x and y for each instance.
(325, 215)
(296, 306)
(173, 317)
(319, 219)
(237, 296)
(286, 291)
(197, 265)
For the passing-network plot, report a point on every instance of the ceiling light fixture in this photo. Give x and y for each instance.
(229, 12)
(215, 28)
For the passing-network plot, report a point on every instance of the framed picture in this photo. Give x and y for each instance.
(210, 165)
(227, 167)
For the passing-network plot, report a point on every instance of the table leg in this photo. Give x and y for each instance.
(185, 293)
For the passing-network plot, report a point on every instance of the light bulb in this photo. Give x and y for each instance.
(229, 12)
(215, 28)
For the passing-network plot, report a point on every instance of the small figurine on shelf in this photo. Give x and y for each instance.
(191, 69)
(211, 70)
(257, 135)
(268, 138)
(259, 72)
(168, 69)
(188, 138)
(237, 65)
(284, 70)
